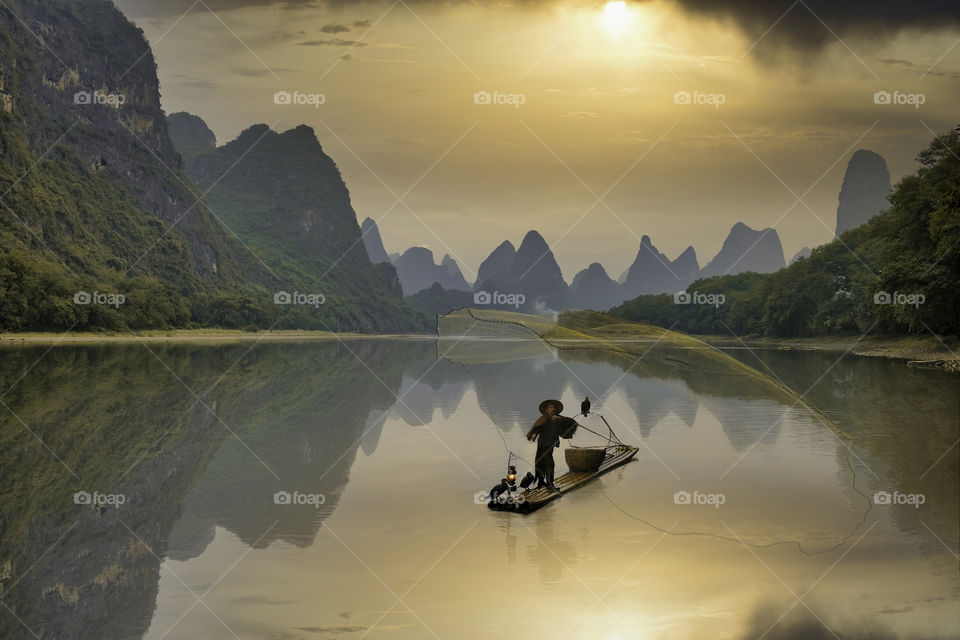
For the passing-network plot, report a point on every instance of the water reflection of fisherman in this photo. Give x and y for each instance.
(546, 432)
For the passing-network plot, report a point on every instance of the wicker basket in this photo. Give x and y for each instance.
(584, 458)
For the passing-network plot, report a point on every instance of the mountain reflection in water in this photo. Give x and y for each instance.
(200, 438)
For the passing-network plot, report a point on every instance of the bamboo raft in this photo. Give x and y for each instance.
(532, 499)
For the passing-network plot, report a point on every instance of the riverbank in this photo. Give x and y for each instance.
(943, 352)
(196, 335)
(929, 351)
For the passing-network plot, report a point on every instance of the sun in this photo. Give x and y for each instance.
(616, 17)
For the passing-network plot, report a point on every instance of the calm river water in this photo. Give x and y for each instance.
(327, 490)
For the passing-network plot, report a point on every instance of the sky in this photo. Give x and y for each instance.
(457, 125)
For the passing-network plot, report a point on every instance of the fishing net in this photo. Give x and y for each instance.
(665, 375)
(471, 336)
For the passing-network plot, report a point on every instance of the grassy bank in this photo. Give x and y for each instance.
(926, 350)
(920, 350)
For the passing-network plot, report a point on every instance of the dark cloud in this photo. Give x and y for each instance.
(335, 28)
(362, 24)
(333, 42)
(807, 24)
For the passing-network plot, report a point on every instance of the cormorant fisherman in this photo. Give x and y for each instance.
(546, 432)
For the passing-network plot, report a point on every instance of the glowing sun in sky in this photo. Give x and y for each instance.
(616, 17)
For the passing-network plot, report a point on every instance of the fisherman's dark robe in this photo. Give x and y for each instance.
(547, 432)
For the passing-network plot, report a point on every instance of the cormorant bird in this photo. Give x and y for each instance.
(585, 406)
(498, 489)
(527, 480)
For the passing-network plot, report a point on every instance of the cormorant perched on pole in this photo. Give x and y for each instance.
(585, 406)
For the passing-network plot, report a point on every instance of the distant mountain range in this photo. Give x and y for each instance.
(532, 270)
